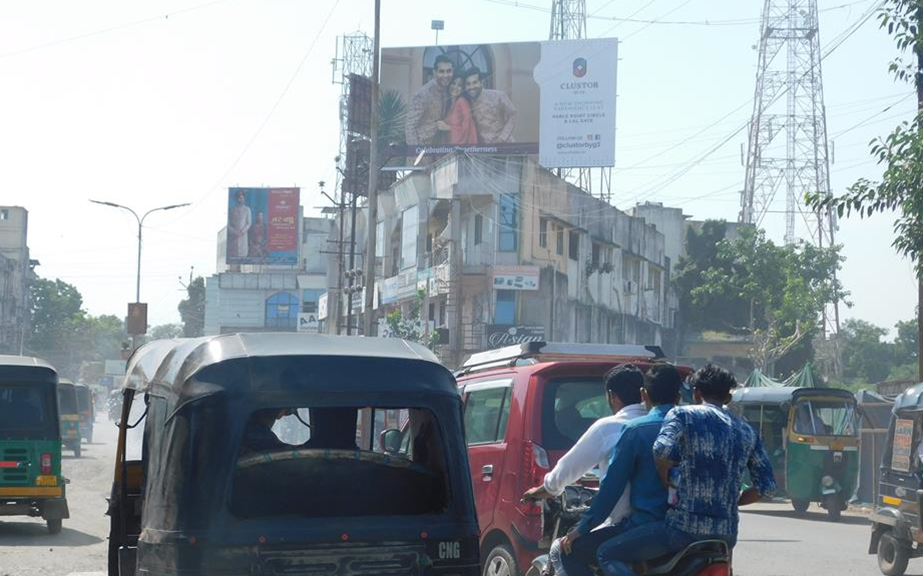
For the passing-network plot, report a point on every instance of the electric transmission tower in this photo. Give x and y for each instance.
(568, 22)
(353, 56)
(787, 150)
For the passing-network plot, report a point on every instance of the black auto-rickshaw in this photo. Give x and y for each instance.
(262, 454)
(31, 482)
(86, 407)
(897, 525)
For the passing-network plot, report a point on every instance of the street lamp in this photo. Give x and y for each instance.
(140, 225)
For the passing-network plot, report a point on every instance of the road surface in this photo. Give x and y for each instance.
(774, 541)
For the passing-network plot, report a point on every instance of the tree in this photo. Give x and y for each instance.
(865, 356)
(166, 331)
(411, 326)
(900, 153)
(784, 289)
(192, 309)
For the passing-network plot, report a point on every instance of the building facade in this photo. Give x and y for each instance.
(496, 251)
(271, 298)
(16, 274)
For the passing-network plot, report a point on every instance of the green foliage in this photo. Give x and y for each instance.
(865, 356)
(412, 326)
(166, 331)
(392, 111)
(192, 309)
(64, 334)
(774, 294)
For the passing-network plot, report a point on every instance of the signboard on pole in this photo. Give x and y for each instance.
(555, 99)
(263, 226)
(136, 322)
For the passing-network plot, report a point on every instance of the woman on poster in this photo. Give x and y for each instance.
(459, 123)
(238, 228)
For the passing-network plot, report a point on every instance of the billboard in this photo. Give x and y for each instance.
(263, 226)
(555, 99)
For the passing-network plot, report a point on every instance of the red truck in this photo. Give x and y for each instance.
(525, 407)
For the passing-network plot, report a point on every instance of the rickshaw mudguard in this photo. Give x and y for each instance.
(55, 509)
(888, 519)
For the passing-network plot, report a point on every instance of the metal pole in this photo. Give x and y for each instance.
(351, 275)
(372, 224)
(138, 275)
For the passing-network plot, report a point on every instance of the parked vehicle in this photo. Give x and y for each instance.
(812, 436)
(114, 404)
(86, 406)
(31, 483)
(69, 414)
(525, 407)
(204, 486)
(896, 528)
(705, 558)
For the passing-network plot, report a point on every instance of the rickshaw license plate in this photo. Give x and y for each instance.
(826, 491)
(46, 481)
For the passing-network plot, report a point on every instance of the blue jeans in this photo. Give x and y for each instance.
(583, 552)
(645, 542)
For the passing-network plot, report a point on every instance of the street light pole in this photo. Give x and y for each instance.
(140, 221)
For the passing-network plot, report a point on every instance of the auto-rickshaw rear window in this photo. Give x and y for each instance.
(24, 409)
(825, 417)
(67, 400)
(308, 462)
(83, 399)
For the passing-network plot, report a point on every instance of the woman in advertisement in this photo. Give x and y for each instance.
(238, 228)
(459, 123)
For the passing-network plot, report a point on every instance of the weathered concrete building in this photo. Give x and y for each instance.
(16, 274)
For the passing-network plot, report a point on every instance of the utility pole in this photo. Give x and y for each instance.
(372, 225)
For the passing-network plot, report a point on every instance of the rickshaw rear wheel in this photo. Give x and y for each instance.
(893, 555)
(77, 449)
(800, 506)
(54, 525)
(834, 505)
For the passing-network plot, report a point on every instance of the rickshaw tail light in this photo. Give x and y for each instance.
(46, 463)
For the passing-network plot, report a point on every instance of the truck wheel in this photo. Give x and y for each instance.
(892, 555)
(800, 506)
(500, 562)
(54, 525)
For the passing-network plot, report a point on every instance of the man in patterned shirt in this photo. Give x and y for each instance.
(429, 104)
(493, 111)
(713, 450)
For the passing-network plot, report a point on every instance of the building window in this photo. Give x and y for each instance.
(309, 299)
(509, 229)
(543, 232)
(478, 229)
(4, 214)
(505, 310)
(594, 258)
(560, 241)
(282, 311)
(410, 228)
(573, 248)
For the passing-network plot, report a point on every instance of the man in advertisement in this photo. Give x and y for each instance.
(428, 106)
(493, 111)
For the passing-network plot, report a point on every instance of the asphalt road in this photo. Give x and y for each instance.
(26, 548)
(774, 541)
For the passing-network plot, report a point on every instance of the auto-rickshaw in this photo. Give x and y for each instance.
(264, 454)
(86, 407)
(69, 414)
(897, 533)
(31, 483)
(812, 438)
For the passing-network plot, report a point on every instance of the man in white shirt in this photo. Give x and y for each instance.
(593, 451)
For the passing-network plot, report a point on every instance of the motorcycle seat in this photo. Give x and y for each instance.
(703, 551)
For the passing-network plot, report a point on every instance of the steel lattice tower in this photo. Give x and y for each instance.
(787, 149)
(568, 22)
(353, 56)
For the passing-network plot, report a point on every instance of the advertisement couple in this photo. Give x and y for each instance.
(455, 109)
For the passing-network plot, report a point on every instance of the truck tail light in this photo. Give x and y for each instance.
(46, 463)
(535, 465)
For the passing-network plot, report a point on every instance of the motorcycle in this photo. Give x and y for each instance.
(703, 558)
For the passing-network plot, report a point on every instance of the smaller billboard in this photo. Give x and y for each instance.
(308, 322)
(115, 367)
(516, 278)
(136, 323)
(263, 226)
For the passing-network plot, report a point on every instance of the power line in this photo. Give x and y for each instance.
(110, 29)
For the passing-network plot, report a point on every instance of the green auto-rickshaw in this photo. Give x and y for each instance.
(69, 413)
(31, 483)
(86, 407)
(812, 438)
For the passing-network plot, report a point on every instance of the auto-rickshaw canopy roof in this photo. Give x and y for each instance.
(764, 395)
(910, 400)
(172, 364)
(25, 362)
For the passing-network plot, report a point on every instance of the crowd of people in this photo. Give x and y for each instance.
(672, 474)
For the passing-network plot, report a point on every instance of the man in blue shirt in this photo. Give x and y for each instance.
(713, 451)
(632, 465)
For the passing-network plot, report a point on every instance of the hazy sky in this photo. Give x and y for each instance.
(111, 100)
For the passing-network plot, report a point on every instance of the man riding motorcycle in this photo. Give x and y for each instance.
(713, 451)
(632, 465)
(594, 448)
